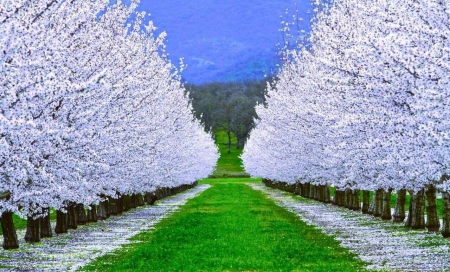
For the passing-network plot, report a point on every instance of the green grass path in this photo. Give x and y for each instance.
(230, 227)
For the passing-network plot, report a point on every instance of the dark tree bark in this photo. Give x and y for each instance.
(298, 189)
(62, 222)
(365, 202)
(119, 205)
(133, 201)
(348, 199)
(33, 234)
(140, 200)
(327, 195)
(386, 214)
(46, 227)
(10, 240)
(433, 224)
(378, 208)
(416, 217)
(356, 200)
(445, 215)
(399, 212)
(92, 214)
(81, 214)
(101, 211)
(107, 208)
(150, 198)
(72, 222)
(112, 206)
(312, 191)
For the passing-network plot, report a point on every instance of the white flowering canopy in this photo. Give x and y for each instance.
(90, 107)
(365, 104)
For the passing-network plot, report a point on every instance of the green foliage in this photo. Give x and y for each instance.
(228, 106)
(230, 227)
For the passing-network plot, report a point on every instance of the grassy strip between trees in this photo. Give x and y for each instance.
(230, 227)
(228, 165)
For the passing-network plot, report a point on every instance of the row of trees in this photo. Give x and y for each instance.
(228, 106)
(90, 110)
(364, 106)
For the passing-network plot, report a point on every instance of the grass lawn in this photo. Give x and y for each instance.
(228, 165)
(230, 227)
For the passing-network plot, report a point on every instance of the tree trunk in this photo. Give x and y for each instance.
(446, 215)
(107, 208)
(150, 198)
(327, 196)
(92, 214)
(81, 214)
(10, 240)
(46, 227)
(433, 223)
(312, 191)
(366, 202)
(72, 222)
(348, 199)
(101, 211)
(378, 208)
(119, 205)
(112, 206)
(133, 201)
(33, 234)
(356, 200)
(386, 214)
(416, 218)
(399, 213)
(61, 222)
(140, 200)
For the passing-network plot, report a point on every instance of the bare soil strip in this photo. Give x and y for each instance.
(71, 251)
(383, 245)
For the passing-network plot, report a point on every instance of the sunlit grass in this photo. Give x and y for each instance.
(230, 227)
(229, 164)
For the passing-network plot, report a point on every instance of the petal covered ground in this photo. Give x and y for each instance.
(75, 249)
(383, 245)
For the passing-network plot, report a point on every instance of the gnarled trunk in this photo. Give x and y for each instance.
(433, 223)
(33, 234)
(386, 213)
(445, 214)
(416, 218)
(365, 202)
(399, 212)
(46, 227)
(10, 240)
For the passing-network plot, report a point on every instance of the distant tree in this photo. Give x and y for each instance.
(228, 106)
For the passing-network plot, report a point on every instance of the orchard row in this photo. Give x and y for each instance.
(90, 109)
(364, 104)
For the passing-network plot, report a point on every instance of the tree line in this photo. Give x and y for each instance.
(91, 114)
(228, 106)
(363, 105)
